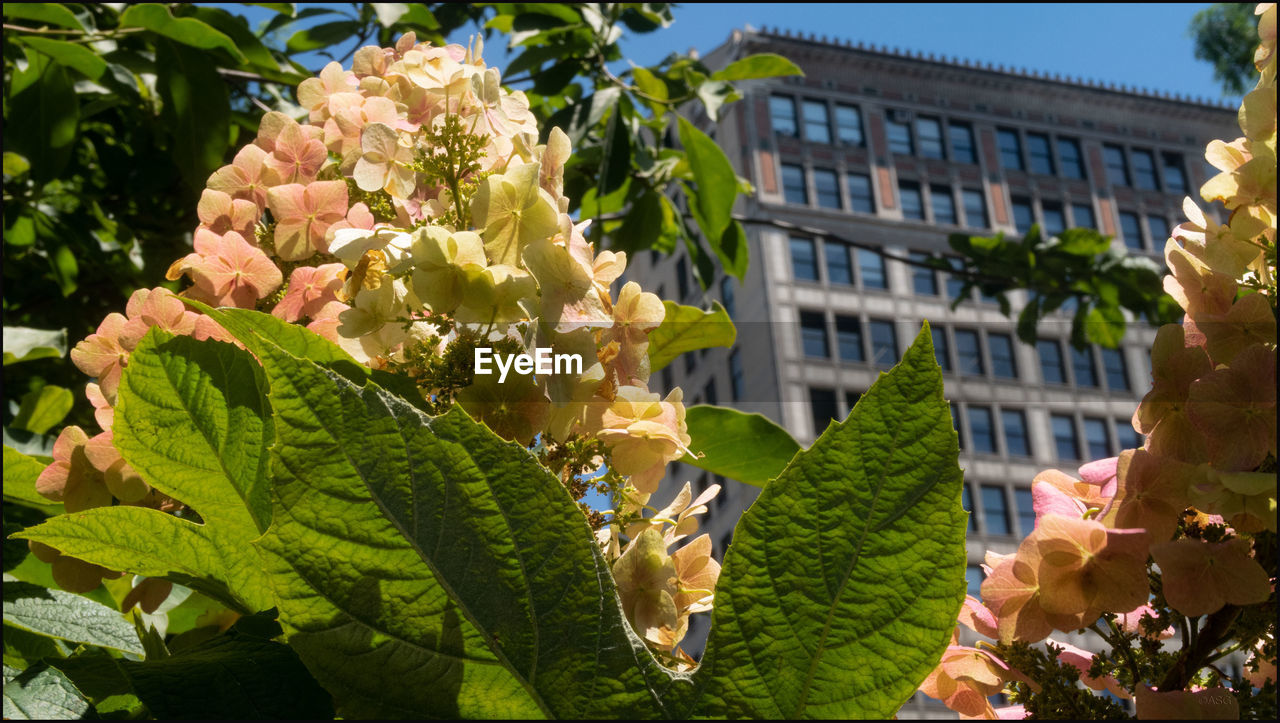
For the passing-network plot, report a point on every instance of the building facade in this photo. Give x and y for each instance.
(900, 151)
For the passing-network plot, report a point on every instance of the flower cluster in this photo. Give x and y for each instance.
(411, 217)
(1179, 527)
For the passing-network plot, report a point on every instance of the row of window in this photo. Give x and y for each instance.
(914, 134)
(829, 193)
(1053, 220)
(998, 517)
(841, 264)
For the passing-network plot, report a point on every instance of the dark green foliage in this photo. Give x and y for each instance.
(1225, 36)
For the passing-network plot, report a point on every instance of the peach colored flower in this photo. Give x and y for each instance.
(227, 270)
(310, 288)
(1200, 577)
(303, 215)
(244, 178)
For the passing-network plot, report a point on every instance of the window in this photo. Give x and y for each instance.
(849, 125)
(899, 137)
(1051, 367)
(1064, 436)
(1023, 500)
(849, 338)
(1002, 360)
(1055, 222)
(981, 429)
(735, 375)
(1095, 438)
(827, 186)
(793, 188)
(1114, 367)
(838, 269)
(782, 113)
(1131, 230)
(1126, 435)
(912, 203)
(1158, 230)
(884, 343)
(851, 400)
(1144, 170)
(1175, 177)
(955, 284)
(726, 296)
(871, 266)
(667, 382)
(968, 354)
(709, 391)
(1040, 154)
(1015, 432)
(1070, 157)
(690, 363)
(923, 281)
(940, 349)
(860, 193)
(973, 575)
(817, 127)
(1082, 216)
(995, 510)
(955, 423)
(1010, 149)
(682, 276)
(975, 208)
(1023, 217)
(944, 206)
(966, 501)
(804, 262)
(929, 135)
(962, 143)
(822, 404)
(813, 335)
(1117, 171)
(1082, 364)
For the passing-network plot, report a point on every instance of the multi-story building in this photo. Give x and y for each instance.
(898, 151)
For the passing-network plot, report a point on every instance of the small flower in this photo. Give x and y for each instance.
(303, 215)
(1200, 577)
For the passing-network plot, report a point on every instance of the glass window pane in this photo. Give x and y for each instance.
(1117, 170)
(929, 135)
(1010, 149)
(995, 510)
(860, 193)
(793, 187)
(1117, 372)
(726, 296)
(709, 392)
(962, 143)
(982, 430)
(1022, 499)
(1040, 154)
(975, 208)
(1023, 217)
(816, 127)
(1055, 222)
(923, 281)
(940, 350)
(968, 354)
(1082, 215)
(1157, 230)
(827, 186)
(838, 269)
(782, 112)
(735, 374)
(973, 575)
(1175, 177)
(944, 206)
(1131, 230)
(955, 422)
(1072, 161)
(1144, 170)
(813, 334)
(849, 125)
(1082, 365)
(912, 203)
(822, 404)
(1002, 359)
(899, 138)
(871, 266)
(955, 284)
(804, 262)
(884, 343)
(849, 338)
(1015, 432)
(1095, 437)
(682, 276)
(1064, 437)
(966, 501)
(850, 401)
(1051, 368)
(1126, 435)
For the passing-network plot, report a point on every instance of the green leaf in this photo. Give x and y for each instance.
(192, 419)
(74, 56)
(20, 473)
(1105, 326)
(196, 107)
(841, 588)
(15, 164)
(1083, 242)
(322, 35)
(25, 344)
(48, 13)
(42, 693)
(441, 557)
(760, 65)
(688, 328)
(287, 9)
(187, 31)
(42, 408)
(45, 99)
(732, 250)
(67, 616)
(717, 184)
(749, 448)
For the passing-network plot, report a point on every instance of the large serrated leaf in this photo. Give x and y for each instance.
(67, 616)
(748, 448)
(42, 693)
(688, 328)
(840, 590)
